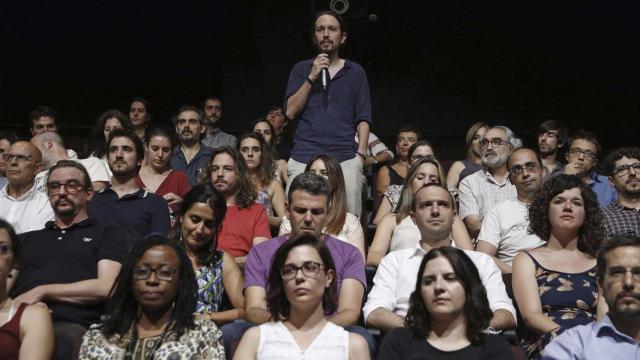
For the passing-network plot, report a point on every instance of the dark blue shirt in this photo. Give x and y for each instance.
(197, 165)
(328, 122)
(139, 214)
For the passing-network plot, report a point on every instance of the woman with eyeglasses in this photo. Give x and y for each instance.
(266, 129)
(555, 284)
(302, 289)
(150, 312)
(26, 331)
(218, 275)
(448, 313)
(397, 230)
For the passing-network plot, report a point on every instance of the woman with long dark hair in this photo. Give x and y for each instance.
(302, 289)
(139, 116)
(106, 123)
(266, 129)
(448, 313)
(555, 285)
(150, 314)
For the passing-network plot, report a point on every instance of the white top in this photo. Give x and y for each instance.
(276, 342)
(506, 226)
(405, 235)
(375, 146)
(95, 167)
(26, 213)
(396, 277)
(480, 191)
(351, 230)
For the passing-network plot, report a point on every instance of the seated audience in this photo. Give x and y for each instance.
(43, 119)
(106, 123)
(398, 230)
(377, 151)
(340, 224)
(150, 312)
(555, 285)
(393, 174)
(139, 116)
(463, 168)
(214, 137)
(7, 138)
(71, 264)
(283, 141)
(449, 309)
(26, 331)
(485, 189)
(190, 156)
(260, 164)
(265, 128)
(197, 228)
(156, 174)
(505, 228)
(395, 279)
(622, 215)
(21, 204)
(552, 138)
(617, 335)
(302, 289)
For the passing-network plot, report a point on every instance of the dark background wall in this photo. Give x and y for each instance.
(440, 65)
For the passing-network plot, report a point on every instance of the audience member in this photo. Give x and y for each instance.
(124, 204)
(622, 216)
(398, 230)
(388, 300)
(26, 331)
(302, 289)
(156, 175)
(463, 168)
(7, 138)
(555, 285)
(484, 189)
(150, 312)
(245, 223)
(377, 151)
(449, 309)
(283, 139)
(265, 129)
(44, 118)
(330, 128)
(582, 157)
(199, 222)
(139, 116)
(394, 174)
(340, 224)
(505, 228)
(107, 122)
(71, 264)
(52, 148)
(190, 156)
(552, 137)
(260, 164)
(617, 335)
(21, 204)
(214, 137)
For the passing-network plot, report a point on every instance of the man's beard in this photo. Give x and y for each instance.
(548, 153)
(67, 212)
(495, 161)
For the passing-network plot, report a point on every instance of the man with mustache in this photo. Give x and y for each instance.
(329, 117)
(623, 215)
(215, 137)
(138, 212)
(190, 156)
(71, 264)
(617, 335)
(552, 137)
(490, 186)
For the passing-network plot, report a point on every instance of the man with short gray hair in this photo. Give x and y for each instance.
(190, 156)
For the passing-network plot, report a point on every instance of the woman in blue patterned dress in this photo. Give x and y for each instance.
(217, 274)
(555, 284)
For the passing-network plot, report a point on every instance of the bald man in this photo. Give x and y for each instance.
(23, 206)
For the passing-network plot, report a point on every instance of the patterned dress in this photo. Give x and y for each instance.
(568, 299)
(210, 286)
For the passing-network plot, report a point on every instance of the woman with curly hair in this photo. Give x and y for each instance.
(555, 285)
(449, 309)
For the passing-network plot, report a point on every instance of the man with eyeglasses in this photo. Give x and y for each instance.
(490, 186)
(622, 216)
(71, 264)
(504, 230)
(214, 136)
(190, 156)
(582, 157)
(552, 137)
(21, 204)
(617, 335)
(7, 138)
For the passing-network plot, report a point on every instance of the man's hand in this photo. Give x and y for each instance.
(574, 168)
(32, 296)
(172, 199)
(320, 62)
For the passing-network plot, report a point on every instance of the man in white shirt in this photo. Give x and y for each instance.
(505, 228)
(395, 279)
(24, 207)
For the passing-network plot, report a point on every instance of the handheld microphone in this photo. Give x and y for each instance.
(324, 74)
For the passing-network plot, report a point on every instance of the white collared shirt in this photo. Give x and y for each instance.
(480, 191)
(28, 212)
(396, 276)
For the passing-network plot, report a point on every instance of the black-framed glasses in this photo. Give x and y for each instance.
(310, 269)
(72, 186)
(18, 157)
(495, 142)
(519, 169)
(622, 170)
(588, 154)
(164, 273)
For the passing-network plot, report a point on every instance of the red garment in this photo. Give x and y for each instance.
(240, 226)
(10, 336)
(176, 182)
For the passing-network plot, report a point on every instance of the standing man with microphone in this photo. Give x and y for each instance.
(330, 98)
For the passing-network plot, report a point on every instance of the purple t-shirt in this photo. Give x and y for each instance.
(346, 257)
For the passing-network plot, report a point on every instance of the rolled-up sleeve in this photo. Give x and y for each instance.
(383, 294)
(492, 280)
